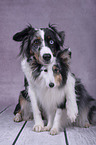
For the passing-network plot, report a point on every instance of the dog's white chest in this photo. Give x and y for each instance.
(48, 97)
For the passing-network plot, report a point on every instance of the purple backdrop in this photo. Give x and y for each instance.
(77, 18)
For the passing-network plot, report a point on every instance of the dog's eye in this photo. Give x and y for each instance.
(45, 70)
(36, 41)
(56, 70)
(51, 42)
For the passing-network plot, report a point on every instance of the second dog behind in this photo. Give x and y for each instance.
(52, 89)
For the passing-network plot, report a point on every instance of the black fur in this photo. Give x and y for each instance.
(24, 94)
(63, 64)
(61, 34)
(26, 83)
(62, 105)
(83, 97)
(26, 37)
(92, 115)
(36, 67)
(17, 109)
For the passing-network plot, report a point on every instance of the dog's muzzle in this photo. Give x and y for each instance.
(47, 56)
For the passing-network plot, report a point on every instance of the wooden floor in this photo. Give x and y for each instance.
(22, 134)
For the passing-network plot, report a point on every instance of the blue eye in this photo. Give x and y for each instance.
(36, 41)
(51, 42)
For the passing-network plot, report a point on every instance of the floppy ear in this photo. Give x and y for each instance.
(60, 35)
(65, 55)
(21, 35)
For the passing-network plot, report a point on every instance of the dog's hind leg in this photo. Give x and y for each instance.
(92, 115)
(23, 110)
(18, 117)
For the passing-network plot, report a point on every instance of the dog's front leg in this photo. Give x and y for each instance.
(71, 104)
(50, 118)
(57, 122)
(39, 125)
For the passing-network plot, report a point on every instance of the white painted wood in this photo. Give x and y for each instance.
(8, 128)
(3, 107)
(81, 136)
(29, 137)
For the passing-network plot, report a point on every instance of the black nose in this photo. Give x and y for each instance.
(47, 56)
(51, 85)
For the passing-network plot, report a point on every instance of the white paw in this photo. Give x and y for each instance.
(54, 131)
(17, 117)
(38, 128)
(46, 128)
(87, 125)
(72, 114)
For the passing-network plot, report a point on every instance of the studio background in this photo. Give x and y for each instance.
(76, 17)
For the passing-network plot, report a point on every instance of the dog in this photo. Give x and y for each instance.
(40, 47)
(41, 44)
(59, 80)
(55, 86)
(49, 89)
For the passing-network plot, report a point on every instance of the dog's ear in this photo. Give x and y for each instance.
(21, 35)
(65, 55)
(60, 35)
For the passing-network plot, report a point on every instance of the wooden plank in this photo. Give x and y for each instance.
(81, 136)
(8, 128)
(29, 137)
(2, 108)
(19, 133)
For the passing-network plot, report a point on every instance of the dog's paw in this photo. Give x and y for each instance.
(17, 117)
(54, 131)
(46, 128)
(72, 115)
(38, 128)
(87, 125)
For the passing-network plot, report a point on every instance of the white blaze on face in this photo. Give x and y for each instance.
(49, 76)
(44, 48)
(41, 33)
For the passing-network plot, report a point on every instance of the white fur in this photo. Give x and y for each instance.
(71, 104)
(49, 98)
(41, 33)
(44, 48)
(48, 76)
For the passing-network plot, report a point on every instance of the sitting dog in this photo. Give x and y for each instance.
(39, 48)
(54, 88)
(42, 45)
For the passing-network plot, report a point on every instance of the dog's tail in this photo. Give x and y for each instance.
(92, 114)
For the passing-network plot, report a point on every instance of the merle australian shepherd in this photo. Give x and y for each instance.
(51, 90)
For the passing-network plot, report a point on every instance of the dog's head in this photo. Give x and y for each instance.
(43, 43)
(55, 74)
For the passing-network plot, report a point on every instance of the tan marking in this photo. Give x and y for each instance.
(31, 52)
(49, 37)
(36, 56)
(58, 79)
(23, 103)
(65, 57)
(38, 37)
(54, 67)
